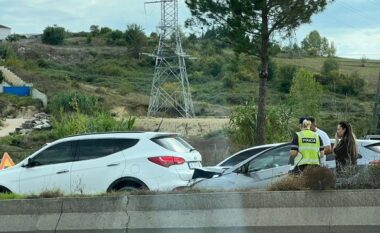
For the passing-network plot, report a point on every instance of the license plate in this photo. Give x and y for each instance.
(193, 165)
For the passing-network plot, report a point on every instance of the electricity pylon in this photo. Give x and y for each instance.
(376, 110)
(170, 87)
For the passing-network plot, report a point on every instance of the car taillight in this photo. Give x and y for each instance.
(375, 163)
(167, 161)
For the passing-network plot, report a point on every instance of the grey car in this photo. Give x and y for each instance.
(266, 167)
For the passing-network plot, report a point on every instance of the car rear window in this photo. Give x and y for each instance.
(173, 143)
(96, 148)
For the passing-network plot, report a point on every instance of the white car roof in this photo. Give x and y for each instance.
(250, 148)
(132, 135)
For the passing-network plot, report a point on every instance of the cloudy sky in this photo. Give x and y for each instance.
(351, 24)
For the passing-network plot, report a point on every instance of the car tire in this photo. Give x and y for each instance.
(129, 189)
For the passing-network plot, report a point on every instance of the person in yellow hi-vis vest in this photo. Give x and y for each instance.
(306, 148)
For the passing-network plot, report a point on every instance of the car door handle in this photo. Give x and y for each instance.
(63, 171)
(113, 164)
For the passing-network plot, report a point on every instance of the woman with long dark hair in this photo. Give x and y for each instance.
(345, 149)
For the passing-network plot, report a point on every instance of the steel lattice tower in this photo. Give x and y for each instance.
(376, 110)
(170, 88)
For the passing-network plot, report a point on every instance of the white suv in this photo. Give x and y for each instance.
(101, 162)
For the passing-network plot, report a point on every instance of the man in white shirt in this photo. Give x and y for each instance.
(325, 139)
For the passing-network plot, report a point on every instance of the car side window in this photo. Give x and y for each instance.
(59, 153)
(242, 156)
(270, 159)
(97, 148)
(281, 156)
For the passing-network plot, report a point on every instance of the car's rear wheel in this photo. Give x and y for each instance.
(128, 189)
(127, 185)
(4, 190)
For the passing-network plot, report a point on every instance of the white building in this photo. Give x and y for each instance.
(4, 32)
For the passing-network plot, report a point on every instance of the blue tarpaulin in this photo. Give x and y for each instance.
(19, 91)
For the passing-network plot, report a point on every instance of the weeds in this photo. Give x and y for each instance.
(366, 178)
(9, 196)
(314, 178)
(288, 183)
(47, 194)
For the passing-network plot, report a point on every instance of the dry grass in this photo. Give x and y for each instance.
(314, 178)
(288, 183)
(370, 72)
(185, 127)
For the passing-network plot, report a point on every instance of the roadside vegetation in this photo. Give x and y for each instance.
(104, 70)
(320, 178)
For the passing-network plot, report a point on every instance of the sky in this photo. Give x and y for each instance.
(351, 24)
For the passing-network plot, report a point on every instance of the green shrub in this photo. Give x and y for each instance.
(305, 97)
(53, 35)
(78, 123)
(9, 196)
(229, 82)
(284, 77)
(1, 77)
(329, 65)
(73, 101)
(242, 125)
(6, 51)
(110, 69)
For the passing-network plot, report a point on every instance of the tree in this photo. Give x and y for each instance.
(53, 35)
(284, 77)
(305, 95)
(94, 29)
(135, 38)
(329, 65)
(312, 43)
(250, 24)
(332, 50)
(105, 30)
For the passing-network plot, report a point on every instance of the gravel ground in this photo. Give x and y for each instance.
(9, 125)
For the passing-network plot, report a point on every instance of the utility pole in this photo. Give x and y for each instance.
(376, 110)
(170, 87)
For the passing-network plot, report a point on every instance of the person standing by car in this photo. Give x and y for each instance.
(345, 149)
(306, 147)
(325, 139)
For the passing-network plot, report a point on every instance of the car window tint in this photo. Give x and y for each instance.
(281, 156)
(173, 143)
(96, 148)
(59, 153)
(263, 161)
(270, 159)
(241, 157)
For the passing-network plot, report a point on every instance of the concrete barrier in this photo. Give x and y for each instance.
(258, 211)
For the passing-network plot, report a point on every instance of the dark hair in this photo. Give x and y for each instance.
(302, 119)
(350, 139)
(312, 119)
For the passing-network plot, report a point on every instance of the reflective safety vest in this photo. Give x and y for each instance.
(308, 148)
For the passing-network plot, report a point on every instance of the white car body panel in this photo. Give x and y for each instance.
(98, 174)
(232, 178)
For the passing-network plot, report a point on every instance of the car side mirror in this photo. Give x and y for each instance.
(29, 163)
(243, 169)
